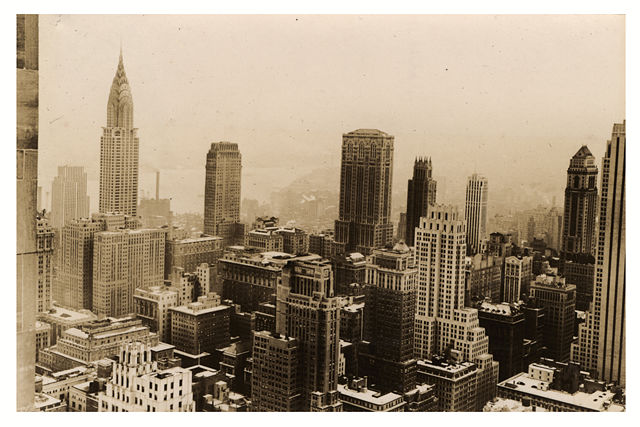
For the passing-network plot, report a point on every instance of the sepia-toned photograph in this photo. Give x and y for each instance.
(320, 213)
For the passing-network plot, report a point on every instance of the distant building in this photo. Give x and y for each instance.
(476, 212)
(295, 241)
(189, 253)
(119, 150)
(222, 193)
(365, 191)
(559, 300)
(500, 245)
(155, 212)
(69, 199)
(137, 385)
(421, 193)
(265, 240)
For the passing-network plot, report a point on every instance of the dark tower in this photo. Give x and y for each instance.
(420, 194)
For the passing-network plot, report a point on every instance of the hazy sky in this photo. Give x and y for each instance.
(512, 97)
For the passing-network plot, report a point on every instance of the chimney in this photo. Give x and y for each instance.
(157, 185)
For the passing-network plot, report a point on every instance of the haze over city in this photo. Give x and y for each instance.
(511, 97)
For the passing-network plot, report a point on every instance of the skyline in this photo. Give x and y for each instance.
(237, 102)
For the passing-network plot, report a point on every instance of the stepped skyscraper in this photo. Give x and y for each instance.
(119, 150)
(601, 338)
(365, 191)
(421, 193)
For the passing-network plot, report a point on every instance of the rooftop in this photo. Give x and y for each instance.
(67, 314)
(369, 396)
(367, 132)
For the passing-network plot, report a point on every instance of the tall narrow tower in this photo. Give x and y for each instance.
(601, 338)
(476, 212)
(69, 199)
(580, 202)
(119, 150)
(222, 192)
(365, 191)
(421, 193)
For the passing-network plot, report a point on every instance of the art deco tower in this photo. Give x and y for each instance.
(119, 150)
(365, 191)
(476, 212)
(222, 192)
(420, 194)
(601, 338)
(69, 199)
(580, 202)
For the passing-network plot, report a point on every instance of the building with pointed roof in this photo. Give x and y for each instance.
(421, 193)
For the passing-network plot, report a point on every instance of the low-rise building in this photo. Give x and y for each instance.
(456, 384)
(62, 318)
(43, 336)
(356, 397)
(152, 307)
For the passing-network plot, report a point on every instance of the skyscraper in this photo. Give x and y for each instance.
(69, 198)
(443, 324)
(119, 150)
(601, 338)
(124, 260)
(516, 278)
(476, 212)
(45, 265)
(390, 306)
(580, 203)
(420, 194)
(222, 193)
(307, 310)
(365, 191)
(26, 204)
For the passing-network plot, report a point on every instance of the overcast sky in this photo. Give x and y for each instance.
(512, 97)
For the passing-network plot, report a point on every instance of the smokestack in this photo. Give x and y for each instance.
(157, 185)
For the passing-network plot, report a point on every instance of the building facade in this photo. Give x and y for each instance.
(476, 212)
(152, 307)
(365, 191)
(69, 199)
(44, 242)
(505, 327)
(421, 193)
(483, 279)
(190, 253)
(518, 273)
(222, 193)
(119, 150)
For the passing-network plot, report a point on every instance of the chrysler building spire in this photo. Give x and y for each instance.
(120, 104)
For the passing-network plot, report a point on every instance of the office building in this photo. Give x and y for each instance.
(119, 150)
(189, 253)
(581, 273)
(455, 384)
(421, 193)
(69, 199)
(93, 341)
(276, 381)
(517, 275)
(601, 338)
(483, 279)
(476, 212)
(580, 205)
(44, 248)
(356, 397)
(201, 326)
(443, 325)
(349, 271)
(307, 310)
(505, 327)
(123, 261)
(264, 240)
(390, 306)
(559, 300)
(538, 387)
(222, 193)
(138, 385)
(365, 191)
(26, 204)
(152, 307)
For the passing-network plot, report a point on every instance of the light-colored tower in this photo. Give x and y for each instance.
(365, 191)
(69, 198)
(517, 275)
(222, 192)
(45, 265)
(601, 338)
(137, 385)
(476, 212)
(119, 150)
(123, 261)
(580, 204)
(443, 324)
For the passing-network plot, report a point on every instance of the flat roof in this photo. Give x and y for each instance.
(369, 396)
(595, 401)
(68, 314)
(192, 308)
